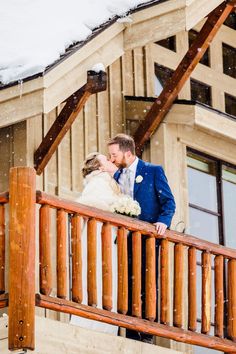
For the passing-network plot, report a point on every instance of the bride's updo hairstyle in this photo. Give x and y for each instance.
(91, 164)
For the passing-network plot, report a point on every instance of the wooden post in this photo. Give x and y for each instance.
(122, 306)
(150, 281)
(136, 274)
(76, 247)
(61, 254)
(206, 292)
(219, 296)
(92, 262)
(106, 267)
(45, 251)
(178, 285)
(192, 289)
(232, 299)
(22, 258)
(165, 297)
(2, 249)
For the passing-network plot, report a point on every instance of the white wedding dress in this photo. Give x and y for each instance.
(100, 191)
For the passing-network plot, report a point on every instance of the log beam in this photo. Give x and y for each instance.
(96, 82)
(163, 103)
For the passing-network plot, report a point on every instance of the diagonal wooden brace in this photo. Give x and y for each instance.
(96, 82)
(171, 90)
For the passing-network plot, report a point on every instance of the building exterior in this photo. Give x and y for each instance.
(195, 143)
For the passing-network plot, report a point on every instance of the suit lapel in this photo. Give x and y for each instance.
(139, 172)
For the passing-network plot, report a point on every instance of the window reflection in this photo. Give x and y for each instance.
(202, 189)
(204, 225)
(229, 198)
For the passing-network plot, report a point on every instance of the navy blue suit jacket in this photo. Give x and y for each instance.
(153, 193)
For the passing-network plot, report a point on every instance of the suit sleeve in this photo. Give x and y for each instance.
(165, 197)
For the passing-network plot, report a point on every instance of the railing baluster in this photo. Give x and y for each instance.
(178, 285)
(76, 248)
(2, 249)
(150, 281)
(92, 262)
(45, 250)
(106, 267)
(136, 274)
(61, 254)
(219, 296)
(192, 289)
(232, 299)
(165, 297)
(122, 306)
(206, 292)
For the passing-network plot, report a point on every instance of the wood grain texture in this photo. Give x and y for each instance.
(122, 305)
(22, 258)
(61, 254)
(45, 267)
(76, 249)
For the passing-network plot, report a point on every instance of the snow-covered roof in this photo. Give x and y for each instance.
(36, 33)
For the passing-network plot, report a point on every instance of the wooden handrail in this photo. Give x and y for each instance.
(133, 224)
(138, 324)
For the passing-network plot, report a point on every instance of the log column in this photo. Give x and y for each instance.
(22, 201)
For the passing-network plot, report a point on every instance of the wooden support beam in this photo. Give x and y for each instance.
(163, 103)
(96, 82)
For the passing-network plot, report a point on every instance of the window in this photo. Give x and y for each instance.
(230, 104)
(229, 60)
(192, 35)
(212, 195)
(212, 207)
(162, 75)
(200, 92)
(169, 43)
(231, 21)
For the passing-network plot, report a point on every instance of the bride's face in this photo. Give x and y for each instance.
(105, 163)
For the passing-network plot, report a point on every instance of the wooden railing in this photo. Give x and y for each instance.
(69, 217)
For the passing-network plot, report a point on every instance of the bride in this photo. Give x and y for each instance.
(100, 191)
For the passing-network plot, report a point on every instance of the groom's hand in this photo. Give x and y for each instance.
(160, 227)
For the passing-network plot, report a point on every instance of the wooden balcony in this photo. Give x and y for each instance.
(22, 296)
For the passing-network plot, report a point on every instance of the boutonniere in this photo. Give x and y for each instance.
(139, 179)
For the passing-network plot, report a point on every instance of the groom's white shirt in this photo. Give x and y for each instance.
(132, 168)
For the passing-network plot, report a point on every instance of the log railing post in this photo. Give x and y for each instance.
(45, 251)
(2, 249)
(22, 199)
(165, 297)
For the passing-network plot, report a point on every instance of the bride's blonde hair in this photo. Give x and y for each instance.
(91, 163)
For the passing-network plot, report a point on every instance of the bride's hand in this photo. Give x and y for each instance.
(109, 167)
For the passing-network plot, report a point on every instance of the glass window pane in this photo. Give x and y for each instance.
(229, 60)
(169, 43)
(230, 104)
(203, 225)
(229, 198)
(202, 189)
(231, 21)
(200, 92)
(192, 35)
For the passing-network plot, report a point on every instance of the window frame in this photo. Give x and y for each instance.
(219, 191)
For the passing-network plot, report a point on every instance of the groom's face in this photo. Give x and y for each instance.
(117, 156)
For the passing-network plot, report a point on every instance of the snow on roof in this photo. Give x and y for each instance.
(35, 33)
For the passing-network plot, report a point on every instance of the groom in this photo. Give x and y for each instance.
(147, 184)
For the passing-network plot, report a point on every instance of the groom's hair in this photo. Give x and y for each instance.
(125, 142)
